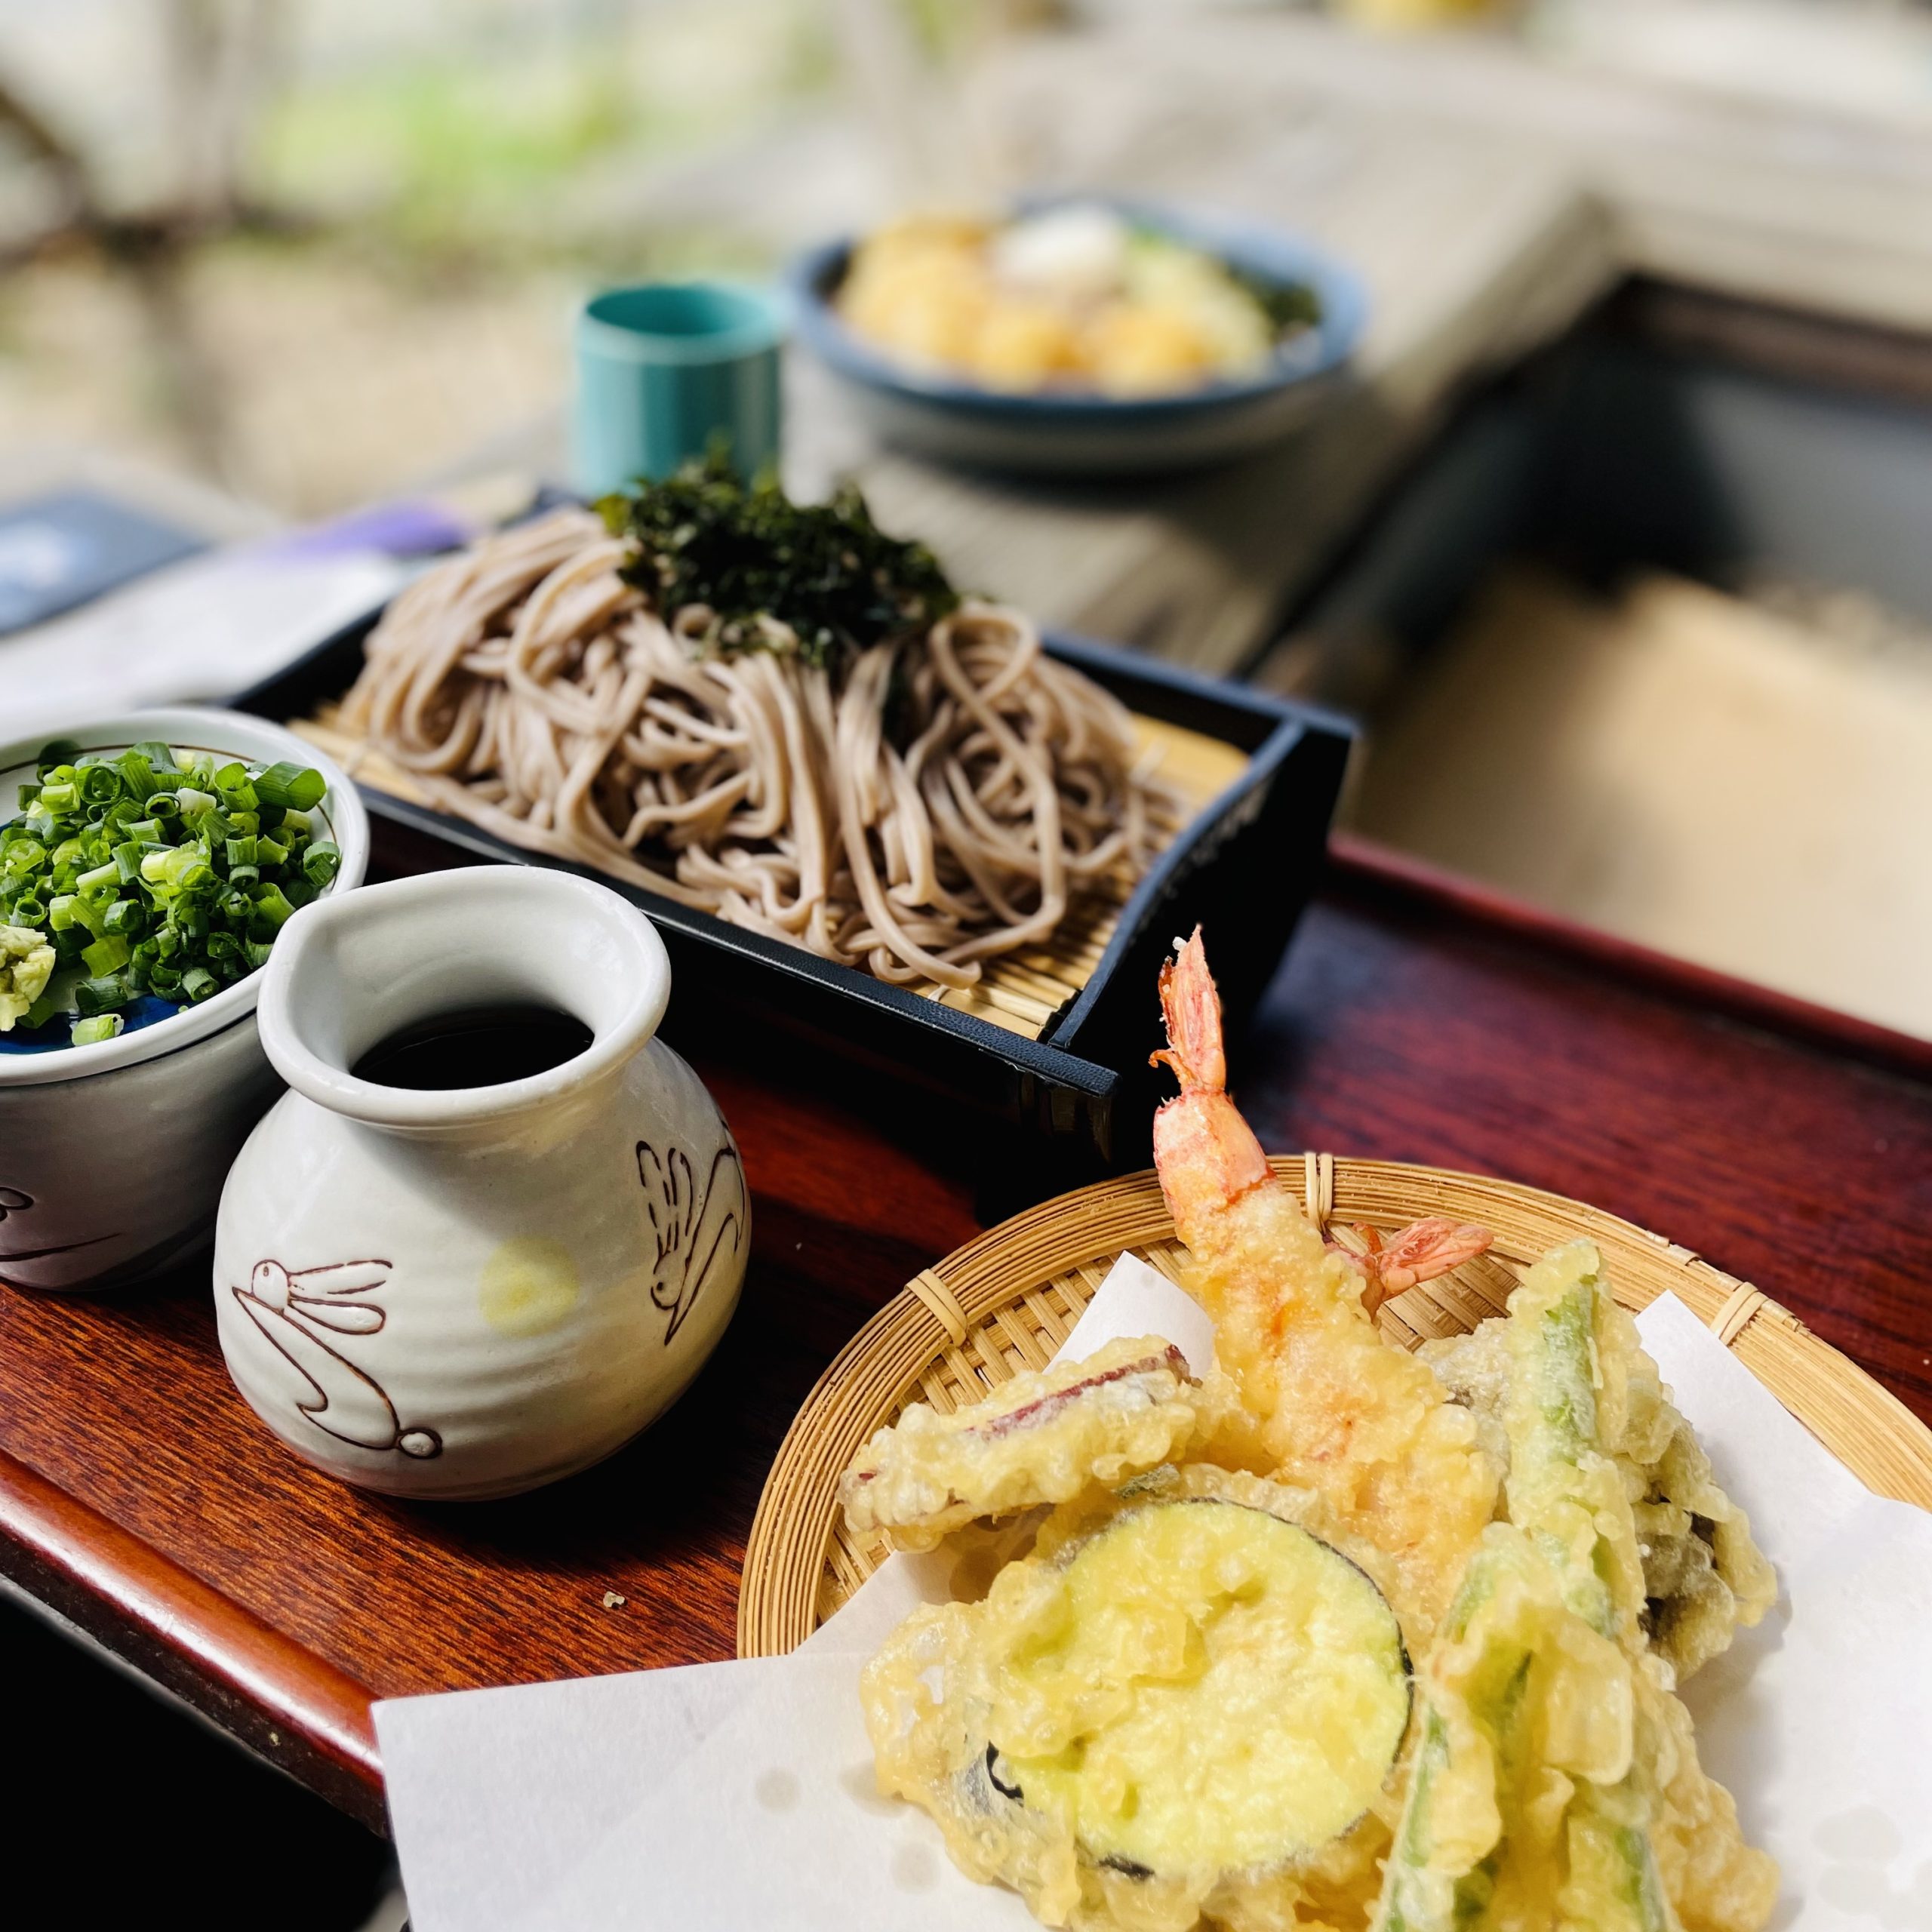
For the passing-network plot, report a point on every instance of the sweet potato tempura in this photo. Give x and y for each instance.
(1041, 1438)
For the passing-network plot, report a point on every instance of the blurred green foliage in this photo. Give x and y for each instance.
(444, 153)
(511, 148)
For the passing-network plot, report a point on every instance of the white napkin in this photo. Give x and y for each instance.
(199, 630)
(740, 1795)
(1819, 1721)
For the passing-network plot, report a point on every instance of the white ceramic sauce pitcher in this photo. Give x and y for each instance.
(466, 1293)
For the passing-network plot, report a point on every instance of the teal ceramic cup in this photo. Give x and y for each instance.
(665, 370)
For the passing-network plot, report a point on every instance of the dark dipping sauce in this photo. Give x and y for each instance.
(474, 1046)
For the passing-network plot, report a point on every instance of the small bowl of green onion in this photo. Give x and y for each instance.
(147, 864)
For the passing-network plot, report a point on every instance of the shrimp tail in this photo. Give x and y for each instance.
(1206, 1155)
(1191, 1006)
(1426, 1249)
(1422, 1251)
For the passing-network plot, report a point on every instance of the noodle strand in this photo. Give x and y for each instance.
(941, 804)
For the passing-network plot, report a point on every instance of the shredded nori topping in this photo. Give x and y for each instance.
(826, 570)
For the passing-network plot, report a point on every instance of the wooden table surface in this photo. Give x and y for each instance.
(141, 1500)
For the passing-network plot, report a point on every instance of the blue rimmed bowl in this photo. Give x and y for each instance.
(113, 1155)
(1076, 431)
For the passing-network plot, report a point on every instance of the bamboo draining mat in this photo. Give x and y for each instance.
(1020, 991)
(1007, 1300)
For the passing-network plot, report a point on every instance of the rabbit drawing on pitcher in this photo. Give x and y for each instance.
(693, 1227)
(298, 1311)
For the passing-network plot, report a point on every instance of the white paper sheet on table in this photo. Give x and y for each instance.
(194, 631)
(741, 1794)
(1817, 1721)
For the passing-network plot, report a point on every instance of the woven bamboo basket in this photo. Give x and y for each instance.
(1007, 1300)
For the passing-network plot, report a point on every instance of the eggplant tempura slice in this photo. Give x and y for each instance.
(1043, 1438)
(1185, 1701)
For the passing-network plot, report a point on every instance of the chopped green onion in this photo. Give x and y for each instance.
(107, 955)
(102, 995)
(156, 755)
(148, 871)
(238, 794)
(137, 775)
(272, 905)
(100, 784)
(290, 787)
(102, 1026)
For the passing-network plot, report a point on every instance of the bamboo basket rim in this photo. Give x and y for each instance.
(1006, 1300)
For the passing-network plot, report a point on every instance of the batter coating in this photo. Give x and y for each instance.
(1041, 1438)
(1184, 1701)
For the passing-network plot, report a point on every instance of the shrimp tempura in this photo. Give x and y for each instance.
(1366, 1424)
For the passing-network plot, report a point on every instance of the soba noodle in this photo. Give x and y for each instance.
(935, 800)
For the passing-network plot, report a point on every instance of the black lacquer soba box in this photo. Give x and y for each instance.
(1044, 1067)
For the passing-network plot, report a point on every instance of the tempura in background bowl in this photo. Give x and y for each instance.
(1081, 334)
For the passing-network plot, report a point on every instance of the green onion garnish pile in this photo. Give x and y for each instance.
(138, 873)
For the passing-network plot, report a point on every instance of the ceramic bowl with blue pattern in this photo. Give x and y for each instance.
(113, 1155)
